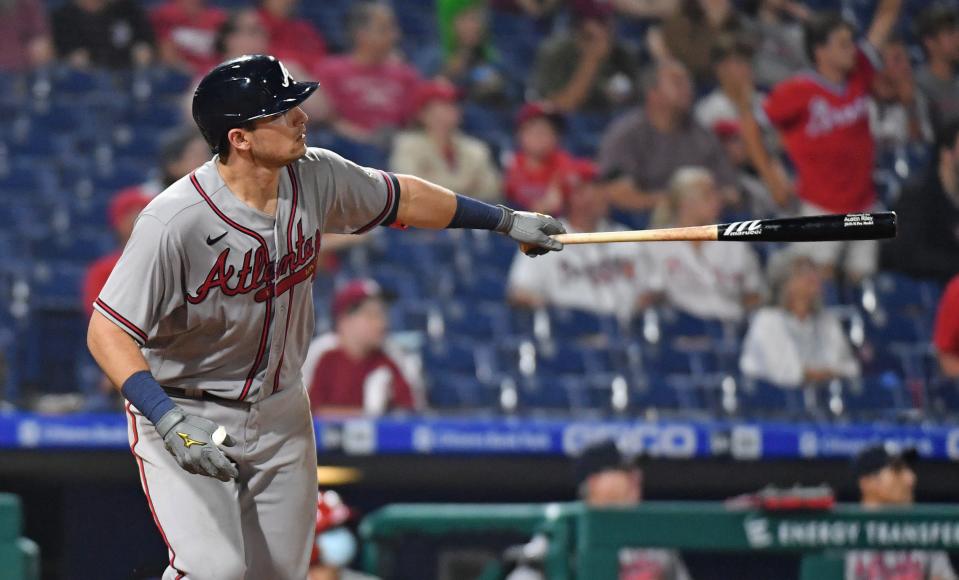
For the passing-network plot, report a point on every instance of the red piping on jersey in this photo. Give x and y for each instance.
(386, 210)
(146, 490)
(289, 248)
(130, 326)
(269, 298)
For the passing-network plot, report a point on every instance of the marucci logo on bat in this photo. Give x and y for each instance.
(747, 228)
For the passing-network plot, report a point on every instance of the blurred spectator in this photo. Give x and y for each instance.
(468, 58)
(708, 280)
(123, 211)
(24, 35)
(335, 545)
(927, 240)
(602, 278)
(587, 67)
(757, 200)
(887, 479)
(642, 9)
(690, 34)
(606, 478)
(369, 91)
(109, 33)
(898, 111)
(439, 152)
(797, 342)
(185, 32)
(352, 369)
(180, 153)
(649, 144)
(535, 174)
(779, 39)
(241, 33)
(533, 8)
(731, 62)
(938, 28)
(946, 335)
(292, 40)
(823, 118)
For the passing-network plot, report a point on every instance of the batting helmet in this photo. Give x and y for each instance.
(244, 89)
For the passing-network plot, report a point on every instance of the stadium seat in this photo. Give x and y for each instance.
(459, 391)
(570, 324)
(450, 356)
(545, 392)
(56, 286)
(653, 392)
(881, 395)
(759, 398)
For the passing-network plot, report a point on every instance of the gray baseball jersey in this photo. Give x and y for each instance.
(218, 294)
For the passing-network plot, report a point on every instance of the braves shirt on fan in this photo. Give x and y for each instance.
(898, 565)
(708, 281)
(601, 278)
(223, 298)
(825, 131)
(369, 96)
(374, 383)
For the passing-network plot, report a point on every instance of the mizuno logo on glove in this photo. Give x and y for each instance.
(187, 442)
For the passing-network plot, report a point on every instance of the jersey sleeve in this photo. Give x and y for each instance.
(785, 104)
(356, 198)
(142, 288)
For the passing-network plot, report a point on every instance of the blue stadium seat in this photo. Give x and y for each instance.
(561, 360)
(877, 395)
(81, 246)
(490, 250)
(460, 391)
(55, 286)
(547, 392)
(654, 392)
(484, 284)
(569, 324)
(469, 319)
(766, 399)
(450, 356)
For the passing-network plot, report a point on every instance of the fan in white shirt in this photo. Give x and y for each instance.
(600, 278)
(709, 280)
(797, 342)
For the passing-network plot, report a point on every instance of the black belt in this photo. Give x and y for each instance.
(201, 395)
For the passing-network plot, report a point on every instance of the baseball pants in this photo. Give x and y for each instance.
(260, 526)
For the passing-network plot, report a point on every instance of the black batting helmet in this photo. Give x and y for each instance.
(244, 89)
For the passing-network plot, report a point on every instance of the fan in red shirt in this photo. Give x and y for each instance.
(123, 211)
(822, 116)
(292, 40)
(349, 369)
(946, 337)
(537, 172)
(185, 31)
(370, 90)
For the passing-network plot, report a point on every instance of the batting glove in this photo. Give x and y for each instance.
(532, 231)
(189, 438)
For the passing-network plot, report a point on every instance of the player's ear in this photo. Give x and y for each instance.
(239, 139)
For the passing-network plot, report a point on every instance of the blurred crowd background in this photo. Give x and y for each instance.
(610, 114)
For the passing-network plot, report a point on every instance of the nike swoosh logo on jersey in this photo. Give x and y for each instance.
(210, 241)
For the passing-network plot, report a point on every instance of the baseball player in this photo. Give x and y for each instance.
(205, 321)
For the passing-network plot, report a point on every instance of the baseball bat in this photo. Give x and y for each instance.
(820, 228)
